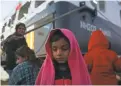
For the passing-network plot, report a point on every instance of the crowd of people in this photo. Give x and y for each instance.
(64, 63)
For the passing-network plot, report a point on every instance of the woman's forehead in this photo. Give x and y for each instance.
(21, 26)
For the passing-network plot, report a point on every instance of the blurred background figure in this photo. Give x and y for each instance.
(11, 44)
(27, 69)
(102, 62)
(4, 76)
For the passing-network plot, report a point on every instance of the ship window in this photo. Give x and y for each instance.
(13, 18)
(23, 10)
(42, 34)
(9, 23)
(2, 37)
(102, 5)
(3, 29)
(83, 17)
(86, 17)
(38, 3)
(82, 3)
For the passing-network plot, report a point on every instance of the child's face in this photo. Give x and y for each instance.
(19, 60)
(60, 50)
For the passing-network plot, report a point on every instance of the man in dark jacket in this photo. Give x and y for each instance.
(12, 43)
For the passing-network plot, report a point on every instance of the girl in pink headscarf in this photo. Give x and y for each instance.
(64, 64)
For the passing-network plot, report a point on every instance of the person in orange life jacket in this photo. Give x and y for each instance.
(64, 64)
(101, 61)
(12, 43)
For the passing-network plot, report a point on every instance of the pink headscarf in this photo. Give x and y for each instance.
(76, 63)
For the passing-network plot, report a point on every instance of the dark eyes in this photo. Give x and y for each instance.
(63, 48)
(22, 28)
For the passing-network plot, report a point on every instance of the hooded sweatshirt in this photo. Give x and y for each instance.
(76, 63)
(103, 62)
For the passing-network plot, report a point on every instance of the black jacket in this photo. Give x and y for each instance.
(10, 46)
(62, 71)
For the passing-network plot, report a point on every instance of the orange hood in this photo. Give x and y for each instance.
(98, 39)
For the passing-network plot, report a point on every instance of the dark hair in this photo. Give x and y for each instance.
(58, 35)
(20, 24)
(25, 51)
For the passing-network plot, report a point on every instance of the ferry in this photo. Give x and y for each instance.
(81, 17)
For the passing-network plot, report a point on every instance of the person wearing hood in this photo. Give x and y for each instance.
(64, 64)
(101, 61)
